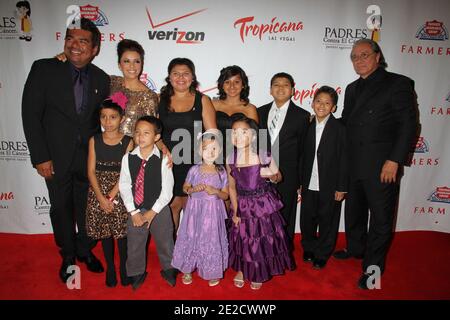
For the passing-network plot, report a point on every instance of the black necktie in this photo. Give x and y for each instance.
(78, 92)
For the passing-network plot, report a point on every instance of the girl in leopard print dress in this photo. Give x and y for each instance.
(106, 216)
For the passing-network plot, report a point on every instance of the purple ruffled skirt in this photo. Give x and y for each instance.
(258, 245)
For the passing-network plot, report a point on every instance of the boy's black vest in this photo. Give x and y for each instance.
(152, 178)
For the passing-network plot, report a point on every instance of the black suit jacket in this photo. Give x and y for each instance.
(331, 157)
(290, 140)
(52, 127)
(381, 123)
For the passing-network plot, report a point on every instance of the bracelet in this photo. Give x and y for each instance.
(111, 199)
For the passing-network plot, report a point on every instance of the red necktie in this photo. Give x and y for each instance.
(139, 186)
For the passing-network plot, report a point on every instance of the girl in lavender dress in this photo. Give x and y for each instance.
(202, 239)
(257, 240)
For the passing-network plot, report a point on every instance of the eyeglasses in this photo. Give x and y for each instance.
(179, 75)
(362, 56)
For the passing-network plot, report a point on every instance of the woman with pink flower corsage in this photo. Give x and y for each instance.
(141, 100)
(106, 215)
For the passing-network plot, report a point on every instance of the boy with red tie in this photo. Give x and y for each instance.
(146, 185)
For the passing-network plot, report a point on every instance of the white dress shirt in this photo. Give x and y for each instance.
(314, 182)
(281, 116)
(125, 183)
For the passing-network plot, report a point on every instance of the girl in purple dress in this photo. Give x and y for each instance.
(257, 240)
(202, 238)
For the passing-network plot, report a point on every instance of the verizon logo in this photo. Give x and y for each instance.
(179, 36)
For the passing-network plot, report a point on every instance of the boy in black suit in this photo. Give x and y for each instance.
(286, 124)
(324, 179)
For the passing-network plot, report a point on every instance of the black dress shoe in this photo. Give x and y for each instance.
(63, 274)
(308, 256)
(137, 281)
(344, 255)
(125, 281)
(362, 282)
(319, 263)
(170, 275)
(92, 263)
(111, 279)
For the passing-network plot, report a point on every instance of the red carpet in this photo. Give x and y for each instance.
(418, 267)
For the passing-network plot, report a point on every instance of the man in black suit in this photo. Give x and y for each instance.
(380, 118)
(60, 113)
(286, 124)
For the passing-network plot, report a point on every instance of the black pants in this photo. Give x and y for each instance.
(68, 198)
(380, 199)
(319, 210)
(288, 192)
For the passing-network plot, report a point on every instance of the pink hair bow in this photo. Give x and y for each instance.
(120, 98)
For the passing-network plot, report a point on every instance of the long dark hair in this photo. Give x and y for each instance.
(167, 90)
(231, 71)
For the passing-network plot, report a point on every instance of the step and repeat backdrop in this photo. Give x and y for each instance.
(311, 40)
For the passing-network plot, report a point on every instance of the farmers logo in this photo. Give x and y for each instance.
(421, 146)
(421, 157)
(275, 30)
(441, 194)
(94, 14)
(181, 37)
(432, 30)
(145, 79)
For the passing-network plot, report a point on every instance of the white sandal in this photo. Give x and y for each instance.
(239, 283)
(187, 278)
(213, 283)
(256, 285)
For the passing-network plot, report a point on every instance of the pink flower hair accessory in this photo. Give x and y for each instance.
(120, 98)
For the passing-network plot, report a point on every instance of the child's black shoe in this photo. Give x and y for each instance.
(111, 280)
